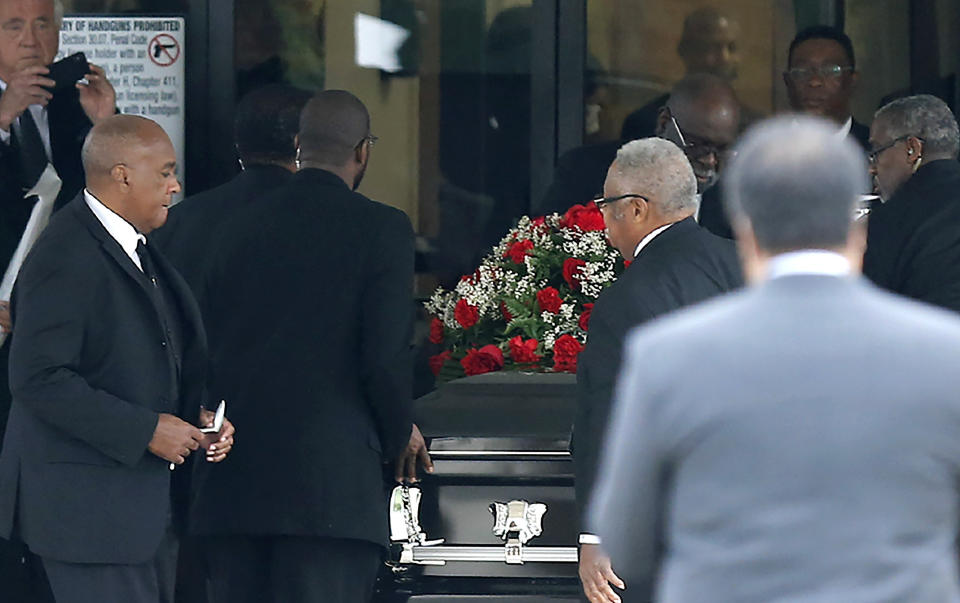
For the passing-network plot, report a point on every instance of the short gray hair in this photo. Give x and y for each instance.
(796, 183)
(926, 117)
(659, 168)
(58, 12)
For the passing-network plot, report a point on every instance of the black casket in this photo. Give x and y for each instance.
(500, 498)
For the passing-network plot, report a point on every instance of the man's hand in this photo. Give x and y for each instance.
(406, 467)
(174, 439)
(97, 97)
(597, 575)
(219, 444)
(6, 323)
(25, 88)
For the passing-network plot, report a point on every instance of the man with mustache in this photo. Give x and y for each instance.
(701, 116)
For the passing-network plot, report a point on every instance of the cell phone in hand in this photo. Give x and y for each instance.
(69, 70)
(217, 419)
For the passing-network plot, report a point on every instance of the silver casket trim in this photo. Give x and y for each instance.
(516, 522)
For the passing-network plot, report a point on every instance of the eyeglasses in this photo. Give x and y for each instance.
(698, 149)
(874, 154)
(370, 139)
(831, 72)
(601, 202)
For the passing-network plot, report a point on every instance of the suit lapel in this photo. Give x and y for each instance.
(109, 244)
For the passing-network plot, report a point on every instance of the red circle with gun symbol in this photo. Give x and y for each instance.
(164, 50)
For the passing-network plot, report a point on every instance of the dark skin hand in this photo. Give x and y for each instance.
(6, 325)
(596, 575)
(218, 445)
(174, 439)
(416, 450)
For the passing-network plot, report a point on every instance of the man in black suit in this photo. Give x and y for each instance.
(702, 116)
(264, 131)
(821, 77)
(913, 238)
(37, 127)
(307, 301)
(107, 370)
(648, 205)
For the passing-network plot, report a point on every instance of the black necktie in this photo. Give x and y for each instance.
(33, 157)
(145, 263)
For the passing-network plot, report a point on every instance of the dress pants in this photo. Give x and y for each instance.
(150, 582)
(291, 569)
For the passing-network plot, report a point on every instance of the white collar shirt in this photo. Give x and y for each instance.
(808, 261)
(646, 240)
(844, 130)
(39, 113)
(122, 231)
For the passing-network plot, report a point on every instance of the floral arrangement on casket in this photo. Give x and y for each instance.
(527, 307)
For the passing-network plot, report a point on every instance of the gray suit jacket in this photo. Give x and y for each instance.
(798, 441)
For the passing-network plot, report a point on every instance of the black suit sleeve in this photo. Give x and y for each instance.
(597, 371)
(55, 308)
(386, 328)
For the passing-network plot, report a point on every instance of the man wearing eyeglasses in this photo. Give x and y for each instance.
(308, 308)
(701, 116)
(821, 77)
(648, 205)
(913, 240)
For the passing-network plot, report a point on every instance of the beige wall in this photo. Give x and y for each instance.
(637, 40)
(880, 31)
(393, 104)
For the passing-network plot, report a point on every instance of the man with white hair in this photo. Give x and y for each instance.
(796, 441)
(913, 241)
(648, 206)
(38, 126)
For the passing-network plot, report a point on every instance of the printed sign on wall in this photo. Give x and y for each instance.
(144, 60)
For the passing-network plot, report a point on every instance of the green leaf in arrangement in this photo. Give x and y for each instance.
(528, 327)
(517, 308)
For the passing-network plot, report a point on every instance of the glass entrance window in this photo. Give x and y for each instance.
(637, 50)
(447, 85)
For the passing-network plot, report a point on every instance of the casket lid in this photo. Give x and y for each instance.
(536, 406)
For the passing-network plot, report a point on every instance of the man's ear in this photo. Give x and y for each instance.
(913, 149)
(638, 209)
(854, 80)
(120, 175)
(360, 153)
(752, 261)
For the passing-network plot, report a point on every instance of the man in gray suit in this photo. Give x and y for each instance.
(800, 440)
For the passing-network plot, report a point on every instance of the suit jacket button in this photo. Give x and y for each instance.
(163, 343)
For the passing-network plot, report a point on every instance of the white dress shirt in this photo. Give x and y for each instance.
(646, 240)
(845, 129)
(39, 114)
(121, 230)
(808, 261)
